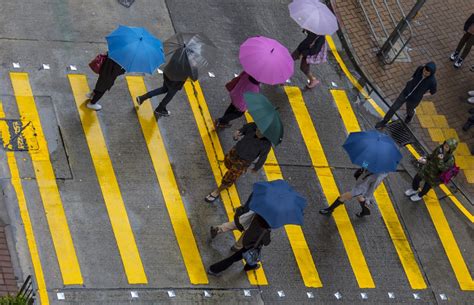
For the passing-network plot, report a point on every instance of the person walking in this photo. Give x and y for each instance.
(252, 144)
(237, 87)
(169, 87)
(440, 160)
(108, 73)
(255, 237)
(363, 190)
(470, 121)
(310, 46)
(465, 44)
(422, 81)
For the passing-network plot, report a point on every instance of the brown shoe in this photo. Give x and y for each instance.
(313, 83)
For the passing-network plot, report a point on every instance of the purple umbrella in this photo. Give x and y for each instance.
(314, 16)
(266, 60)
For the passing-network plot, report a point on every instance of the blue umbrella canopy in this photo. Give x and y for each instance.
(135, 49)
(277, 203)
(373, 150)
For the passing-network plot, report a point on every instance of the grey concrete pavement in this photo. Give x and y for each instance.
(62, 33)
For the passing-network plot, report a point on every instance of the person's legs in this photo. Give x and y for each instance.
(340, 200)
(410, 113)
(305, 68)
(469, 123)
(152, 93)
(96, 96)
(162, 106)
(461, 43)
(415, 184)
(467, 46)
(424, 190)
(230, 114)
(227, 262)
(395, 106)
(365, 209)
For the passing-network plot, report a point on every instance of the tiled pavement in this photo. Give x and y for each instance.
(436, 32)
(8, 283)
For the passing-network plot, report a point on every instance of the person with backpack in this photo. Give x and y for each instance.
(440, 164)
(254, 238)
(422, 81)
(309, 47)
(363, 190)
(237, 87)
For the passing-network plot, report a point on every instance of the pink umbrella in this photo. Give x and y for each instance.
(266, 60)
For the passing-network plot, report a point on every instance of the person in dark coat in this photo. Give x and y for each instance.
(256, 236)
(422, 81)
(109, 71)
(465, 44)
(252, 144)
(311, 45)
(170, 87)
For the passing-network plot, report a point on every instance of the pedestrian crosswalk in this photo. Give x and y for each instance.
(191, 252)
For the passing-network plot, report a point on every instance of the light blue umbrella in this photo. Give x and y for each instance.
(135, 49)
(277, 203)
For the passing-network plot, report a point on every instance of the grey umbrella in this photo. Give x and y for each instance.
(187, 53)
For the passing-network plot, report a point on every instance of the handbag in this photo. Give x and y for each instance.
(319, 58)
(233, 82)
(449, 174)
(97, 62)
(252, 255)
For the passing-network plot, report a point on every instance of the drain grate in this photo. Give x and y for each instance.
(400, 133)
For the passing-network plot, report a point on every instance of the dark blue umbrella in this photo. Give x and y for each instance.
(277, 203)
(135, 49)
(373, 150)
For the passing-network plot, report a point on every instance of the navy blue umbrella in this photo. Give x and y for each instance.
(373, 150)
(277, 203)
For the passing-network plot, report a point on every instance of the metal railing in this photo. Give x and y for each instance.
(27, 291)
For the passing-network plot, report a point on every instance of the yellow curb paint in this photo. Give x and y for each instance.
(124, 237)
(168, 186)
(214, 152)
(295, 233)
(426, 107)
(450, 245)
(46, 180)
(389, 215)
(329, 187)
(25, 216)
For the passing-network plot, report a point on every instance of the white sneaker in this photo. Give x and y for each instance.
(415, 198)
(453, 56)
(411, 192)
(471, 93)
(470, 100)
(89, 95)
(95, 106)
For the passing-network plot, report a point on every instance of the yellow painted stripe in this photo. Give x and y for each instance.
(214, 152)
(379, 110)
(169, 188)
(390, 217)
(328, 184)
(25, 216)
(61, 236)
(295, 233)
(108, 183)
(450, 245)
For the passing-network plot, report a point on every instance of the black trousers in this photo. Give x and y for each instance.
(465, 44)
(96, 96)
(230, 114)
(227, 262)
(399, 103)
(416, 184)
(170, 93)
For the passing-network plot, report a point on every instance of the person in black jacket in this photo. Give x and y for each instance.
(170, 87)
(256, 236)
(109, 71)
(422, 81)
(464, 44)
(311, 45)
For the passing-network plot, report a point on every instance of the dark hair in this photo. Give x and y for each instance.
(254, 81)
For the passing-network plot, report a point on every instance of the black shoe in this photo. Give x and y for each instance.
(468, 125)
(214, 232)
(380, 124)
(161, 113)
(139, 100)
(365, 211)
(210, 272)
(471, 111)
(326, 211)
(408, 120)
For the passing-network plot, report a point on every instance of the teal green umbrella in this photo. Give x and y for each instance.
(265, 116)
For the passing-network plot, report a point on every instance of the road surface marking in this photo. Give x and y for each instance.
(46, 180)
(328, 184)
(214, 152)
(384, 202)
(127, 246)
(169, 188)
(379, 110)
(25, 216)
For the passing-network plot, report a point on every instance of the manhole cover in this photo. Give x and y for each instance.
(400, 133)
(126, 3)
